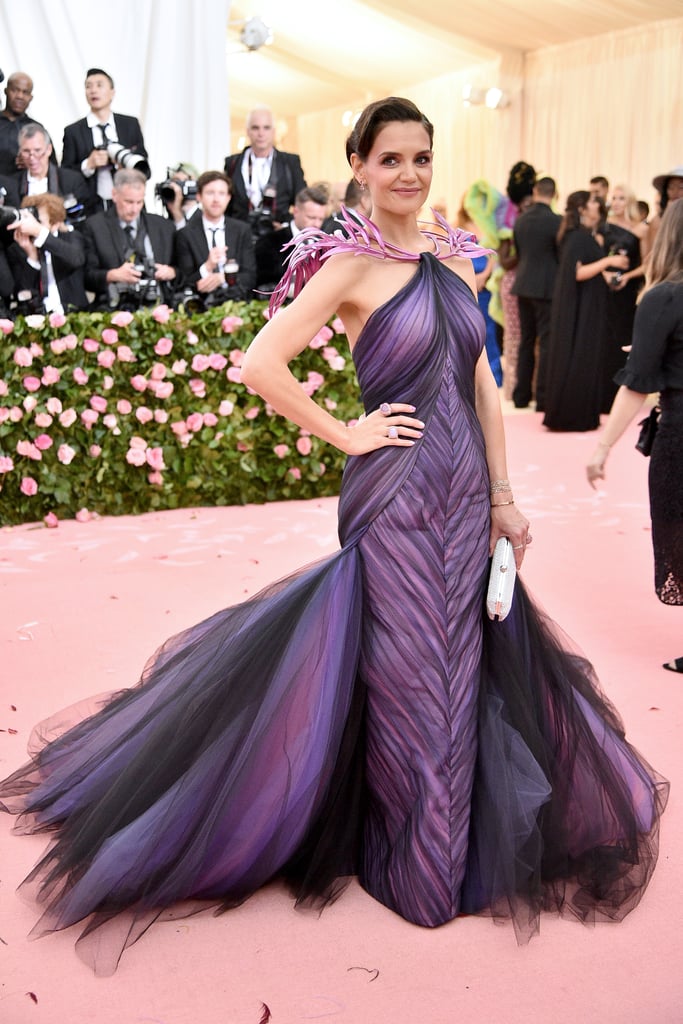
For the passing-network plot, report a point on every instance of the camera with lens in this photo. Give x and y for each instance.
(199, 302)
(10, 216)
(123, 157)
(261, 219)
(146, 291)
(165, 191)
(75, 211)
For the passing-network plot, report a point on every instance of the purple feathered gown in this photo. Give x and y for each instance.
(362, 717)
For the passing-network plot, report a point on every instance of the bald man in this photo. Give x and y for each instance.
(265, 181)
(18, 95)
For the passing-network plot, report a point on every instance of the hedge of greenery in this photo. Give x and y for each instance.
(117, 413)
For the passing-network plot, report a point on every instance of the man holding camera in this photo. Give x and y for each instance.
(102, 142)
(130, 259)
(178, 193)
(265, 180)
(216, 252)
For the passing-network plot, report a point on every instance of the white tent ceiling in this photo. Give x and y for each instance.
(330, 53)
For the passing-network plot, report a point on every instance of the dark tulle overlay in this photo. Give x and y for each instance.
(361, 717)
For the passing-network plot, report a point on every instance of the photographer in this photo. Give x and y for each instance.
(309, 211)
(130, 259)
(41, 175)
(215, 252)
(265, 179)
(178, 193)
(46, 259)
(99, 143)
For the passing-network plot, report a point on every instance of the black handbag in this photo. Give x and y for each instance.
(648, 430)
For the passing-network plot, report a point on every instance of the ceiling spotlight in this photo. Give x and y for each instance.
(255, 33)
(472, 95)
(496, 98)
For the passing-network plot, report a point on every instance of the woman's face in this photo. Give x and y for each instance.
(398, 170)
(618, 202)
(590, 213)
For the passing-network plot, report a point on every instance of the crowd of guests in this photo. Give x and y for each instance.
(76, 234)
(568, 286)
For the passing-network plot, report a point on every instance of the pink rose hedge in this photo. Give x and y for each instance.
(108, 414)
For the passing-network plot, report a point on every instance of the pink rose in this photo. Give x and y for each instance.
(122, 318)
(210, 419)
(162, 314)
(58, 345)
(195, 422)
(303, 446)
(179, 428)
(143, 414)
(28, 486)
(125, 354)
(160, 416)
(123, 406)
(51, 520)
(83, 516)
(330, 404)
(110, 336)
(94, 451)
(155, 458)
(110, 421)
(107, 382)
(15, 414)
(89, 417)
(54, 406)
(106, 359)
(137, 442)
(179, 366)
(98, 403)
(135, 457)
(192, 338)
(217, 361)
(56, 319)
(35, 321)
(242, 447)
(234, 374)
(35, 349)
(4, 414)
(294, 472)
(6, 464)
(155, 478)
(138, 382)
(200, 363)
(43, 442)
(226, 407)
(71, 341)
(329, 352)
(31, 383)
(316, 379)
(338, 326)
(4, 389)
(252, 413)
(22, 356)
(321, 338)
(338, 363)
(90, 345)
(164, 389)
(229, 323)
(158, 371)
(6, 326)
(281, 450)
(28, 451)
(68, 417)
(321, 468)
(80, 376)
(29, 403)
(43, 420)
(198, 387)
(66, 454)
(236, 356)
(163, 347)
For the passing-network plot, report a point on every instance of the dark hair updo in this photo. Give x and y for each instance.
(521, 181)
(375, 116)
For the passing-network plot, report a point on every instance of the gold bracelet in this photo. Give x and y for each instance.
(499, 504)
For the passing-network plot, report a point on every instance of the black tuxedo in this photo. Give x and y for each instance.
(270, 260)
(535, 237)
(78, 144)
(286, 178)
(9, 141)
(106, 247)
(193, 250)
(67, 252)
(60, 181)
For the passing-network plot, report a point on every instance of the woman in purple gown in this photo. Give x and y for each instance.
(363, 716)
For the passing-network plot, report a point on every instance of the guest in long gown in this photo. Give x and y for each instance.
(655, 363)
(363, 716)
(578, 331)
(507, 257)
(625, 232)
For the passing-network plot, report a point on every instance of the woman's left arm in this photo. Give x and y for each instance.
(506, 519)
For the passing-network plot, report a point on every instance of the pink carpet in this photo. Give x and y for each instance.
(84, 605)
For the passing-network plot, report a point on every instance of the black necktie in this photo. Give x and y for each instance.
(214, 232)
(130, 235)
(103, 129)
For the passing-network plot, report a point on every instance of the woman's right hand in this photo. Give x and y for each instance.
(390, 425)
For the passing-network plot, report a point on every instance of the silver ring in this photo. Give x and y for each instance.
(385, 409)
(529, 538)
(392, 433)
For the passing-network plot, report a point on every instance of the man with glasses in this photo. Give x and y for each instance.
(40, 175)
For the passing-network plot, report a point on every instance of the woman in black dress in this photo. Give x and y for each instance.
(579, 318)
(655, 363)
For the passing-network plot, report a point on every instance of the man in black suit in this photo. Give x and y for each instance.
(18, 93)
(130, 254)
(265, 181)
(91, 144)
(216, 252)
(40, 175)
(310, 207)
(47, 259)
(535, 237)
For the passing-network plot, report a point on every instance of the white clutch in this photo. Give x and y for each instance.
(501, 580)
